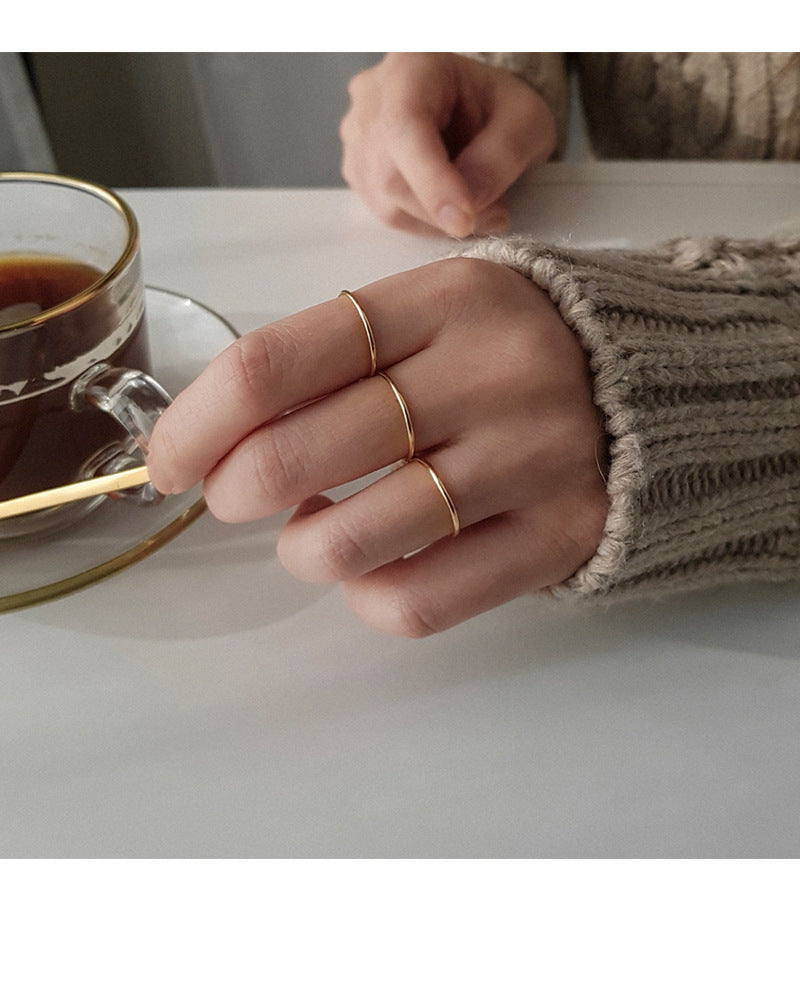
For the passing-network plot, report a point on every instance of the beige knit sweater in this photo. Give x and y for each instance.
(731, 105)
(695, 345)
(695, 352)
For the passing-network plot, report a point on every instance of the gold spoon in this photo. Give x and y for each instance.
(76, 490)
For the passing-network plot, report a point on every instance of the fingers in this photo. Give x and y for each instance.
(400, 513)
(416, 505)
(432, 142)
(453, 580)
(267, 372)
(489, 564)
(428, 399)
(403, 572)
(394, 155)
(509, 142)
(410, 183)
(345, 436)
(481, 378)
(465, 197)
(433, 182)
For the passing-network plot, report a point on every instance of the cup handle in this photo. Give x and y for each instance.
(136, 401)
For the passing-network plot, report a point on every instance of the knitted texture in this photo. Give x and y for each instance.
(695, 354)
(698, 105)
(719, 105)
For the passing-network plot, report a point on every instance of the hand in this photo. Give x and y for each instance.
(431, 142)
(499, 395)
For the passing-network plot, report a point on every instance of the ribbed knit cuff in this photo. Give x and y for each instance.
(695, 353)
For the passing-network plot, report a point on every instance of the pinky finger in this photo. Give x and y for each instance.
(489, 564)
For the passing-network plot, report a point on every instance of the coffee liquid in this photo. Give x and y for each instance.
(43, 441)
(32, 284)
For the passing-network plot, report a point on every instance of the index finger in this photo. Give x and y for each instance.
(274, 369)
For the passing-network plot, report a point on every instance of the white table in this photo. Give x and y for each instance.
(202, 703)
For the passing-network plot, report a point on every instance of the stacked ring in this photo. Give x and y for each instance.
(448, 501)
(373, 355)
(410, 456)
(406, 416)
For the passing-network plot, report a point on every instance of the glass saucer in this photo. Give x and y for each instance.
(184, 337)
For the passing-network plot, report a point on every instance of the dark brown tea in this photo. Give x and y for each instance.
(30, 284)
(43, 441)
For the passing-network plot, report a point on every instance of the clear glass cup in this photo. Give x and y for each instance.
(76, 396)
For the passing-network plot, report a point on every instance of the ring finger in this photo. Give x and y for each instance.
(400, 513)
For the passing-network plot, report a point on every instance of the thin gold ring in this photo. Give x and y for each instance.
(373, 354)
(451, 506)
(406, 416)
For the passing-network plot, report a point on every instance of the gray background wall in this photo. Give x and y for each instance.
(182, 119)
(133, 119)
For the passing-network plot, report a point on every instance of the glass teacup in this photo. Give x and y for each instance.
(76, 396)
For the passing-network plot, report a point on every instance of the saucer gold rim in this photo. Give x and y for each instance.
(93, 575)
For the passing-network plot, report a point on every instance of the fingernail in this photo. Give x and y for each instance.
(455, 221)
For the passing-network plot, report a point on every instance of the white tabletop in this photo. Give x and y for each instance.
(202, 703)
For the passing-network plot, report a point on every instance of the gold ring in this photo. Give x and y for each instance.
(406, 416)
(373, 355)
(451, 506)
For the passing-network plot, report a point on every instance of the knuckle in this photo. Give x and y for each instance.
(410, 620)
(261, 479)
(254, 366)
(465, 282)
(278, 468)
(249, 364)
(391, 185)
(395, 118)
(468, 274)
(542, 122)
(353, 128)
(391, 608)
(519, 352)
(340, 552)
(351, 171)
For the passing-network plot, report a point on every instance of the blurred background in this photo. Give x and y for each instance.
(178, 119)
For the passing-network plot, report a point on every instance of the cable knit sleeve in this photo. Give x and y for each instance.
(695, 353)
(546, 72)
